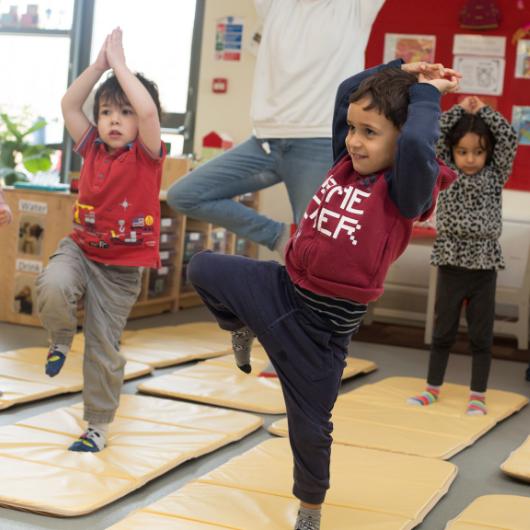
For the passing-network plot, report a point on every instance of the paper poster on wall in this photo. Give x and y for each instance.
(24, 294)
(521, 123)
(228, 39)
(410, 48)
(522, 59)
(479, 45)
(31, 234)
(480, 75)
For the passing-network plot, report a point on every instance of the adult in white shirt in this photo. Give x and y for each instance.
(307, 48)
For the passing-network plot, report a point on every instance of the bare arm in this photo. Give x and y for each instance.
(72, 103)
(137, 94)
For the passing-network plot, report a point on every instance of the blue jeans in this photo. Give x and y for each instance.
(207, 192)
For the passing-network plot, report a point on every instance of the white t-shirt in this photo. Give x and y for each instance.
(307, 48)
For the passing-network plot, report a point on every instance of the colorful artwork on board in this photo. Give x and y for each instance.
(410, 48)
(521, 123)
(522, 59)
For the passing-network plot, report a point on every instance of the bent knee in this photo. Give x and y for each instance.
(198, 266)
(182, 197)
(51, 286)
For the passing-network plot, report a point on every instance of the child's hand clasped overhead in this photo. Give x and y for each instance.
(446, 80)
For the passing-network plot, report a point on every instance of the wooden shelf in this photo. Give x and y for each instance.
(53, 212)
(189, 299)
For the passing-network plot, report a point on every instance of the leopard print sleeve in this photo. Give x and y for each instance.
(505, 142)
(448, 120)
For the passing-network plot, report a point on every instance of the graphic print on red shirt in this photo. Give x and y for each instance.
(117, 214)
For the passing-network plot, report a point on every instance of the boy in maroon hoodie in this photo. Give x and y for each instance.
(384, 178)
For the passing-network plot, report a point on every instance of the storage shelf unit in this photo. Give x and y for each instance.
(41, 219)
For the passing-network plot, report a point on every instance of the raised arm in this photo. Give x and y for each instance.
(137, 94)
(505, 140)
(413, 177)
(448, 120)
(75, 119)
(346, 88)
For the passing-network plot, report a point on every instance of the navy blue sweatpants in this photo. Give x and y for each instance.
(308, 358)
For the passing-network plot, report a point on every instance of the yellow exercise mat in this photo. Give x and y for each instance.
(172, 345)
(494, 512)
(149, 437)
(220, 382)
(369, 490)
(517, 465)
(23, 379)
(379, 417)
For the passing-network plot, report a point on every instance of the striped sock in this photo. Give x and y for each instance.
(428, 397)
(477, 404)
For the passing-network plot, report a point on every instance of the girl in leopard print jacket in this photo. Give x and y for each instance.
(480, 145)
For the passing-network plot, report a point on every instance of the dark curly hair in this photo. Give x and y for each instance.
(111, 91)
(471, 123)
(388, 91)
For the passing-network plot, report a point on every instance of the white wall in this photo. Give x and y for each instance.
(227, 113)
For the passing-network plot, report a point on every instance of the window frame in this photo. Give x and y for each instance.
(80, 46)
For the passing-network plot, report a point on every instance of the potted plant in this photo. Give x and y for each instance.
(14, 147)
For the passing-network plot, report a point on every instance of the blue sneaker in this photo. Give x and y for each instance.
(84, 445)
(54, 362)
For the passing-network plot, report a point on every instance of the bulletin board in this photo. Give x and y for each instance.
(441, 18)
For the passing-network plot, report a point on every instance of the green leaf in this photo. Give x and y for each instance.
(11, 126)
(35, 127)
(37, 162)
(7, 158)
(15, 176)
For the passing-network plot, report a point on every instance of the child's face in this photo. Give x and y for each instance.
(469, 154)
(117, 124)
(371, 140)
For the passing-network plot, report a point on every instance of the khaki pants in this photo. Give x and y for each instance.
(109, 293)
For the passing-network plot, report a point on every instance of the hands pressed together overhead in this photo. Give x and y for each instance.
(446, 80)
(472, 104)
(111, 54)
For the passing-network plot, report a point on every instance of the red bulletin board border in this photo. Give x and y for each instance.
(440, 18)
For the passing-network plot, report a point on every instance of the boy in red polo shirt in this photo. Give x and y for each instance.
(116, 230)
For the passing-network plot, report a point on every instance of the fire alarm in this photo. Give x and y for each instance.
(219, 85)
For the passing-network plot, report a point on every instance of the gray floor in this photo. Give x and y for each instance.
(478, 465)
